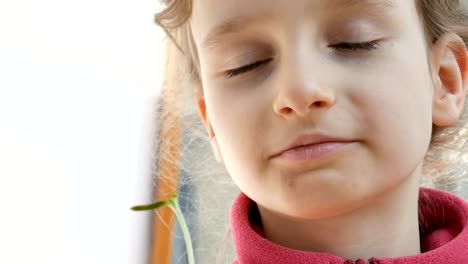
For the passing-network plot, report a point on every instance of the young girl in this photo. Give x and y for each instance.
(329, 116)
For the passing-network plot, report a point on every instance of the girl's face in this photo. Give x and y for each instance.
(274, 70)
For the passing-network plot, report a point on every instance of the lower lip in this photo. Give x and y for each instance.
(315, 151)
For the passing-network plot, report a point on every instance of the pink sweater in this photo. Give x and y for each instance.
(445, 242)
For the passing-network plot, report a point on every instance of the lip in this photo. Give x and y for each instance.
(312, 146)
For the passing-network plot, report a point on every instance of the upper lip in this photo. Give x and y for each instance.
(310, 139)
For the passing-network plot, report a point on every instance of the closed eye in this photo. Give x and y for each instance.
(358, 46)
(246, 68)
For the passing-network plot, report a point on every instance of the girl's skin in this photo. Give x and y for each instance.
(362, 200)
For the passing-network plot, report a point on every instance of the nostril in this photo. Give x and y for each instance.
(286, 110)
(318, 104)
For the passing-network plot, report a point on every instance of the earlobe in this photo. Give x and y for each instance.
(206, 121)
(449, 58)
(216, 151)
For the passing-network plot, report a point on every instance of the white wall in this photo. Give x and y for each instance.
(77, 85)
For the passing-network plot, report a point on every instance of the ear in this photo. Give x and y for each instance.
(449, 60)
(206, 121)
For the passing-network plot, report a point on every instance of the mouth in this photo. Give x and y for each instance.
(313, 151)
(312, 146)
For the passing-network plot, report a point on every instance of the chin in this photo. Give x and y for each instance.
(319, 207)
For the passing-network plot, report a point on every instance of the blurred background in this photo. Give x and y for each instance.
(78, 81)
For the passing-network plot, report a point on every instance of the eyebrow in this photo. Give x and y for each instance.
(239, 23)
(366, 3)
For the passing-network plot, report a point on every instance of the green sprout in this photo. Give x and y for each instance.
(173, 203)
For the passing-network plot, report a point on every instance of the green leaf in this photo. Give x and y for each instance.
(152, 206)
(173, 203)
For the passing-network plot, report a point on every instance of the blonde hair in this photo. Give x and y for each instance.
(445, 165)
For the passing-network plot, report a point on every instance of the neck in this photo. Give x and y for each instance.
(386, 227)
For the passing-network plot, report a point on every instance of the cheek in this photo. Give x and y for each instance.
(238, 122)
(398, 114)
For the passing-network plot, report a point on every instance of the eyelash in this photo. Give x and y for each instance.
(360, 46)
(355, 47)
(246, 68)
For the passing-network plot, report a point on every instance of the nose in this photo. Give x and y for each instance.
(299, 93)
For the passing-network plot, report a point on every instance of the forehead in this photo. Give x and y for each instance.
(213, 18)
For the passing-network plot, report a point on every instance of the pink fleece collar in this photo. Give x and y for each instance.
(444, 236)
